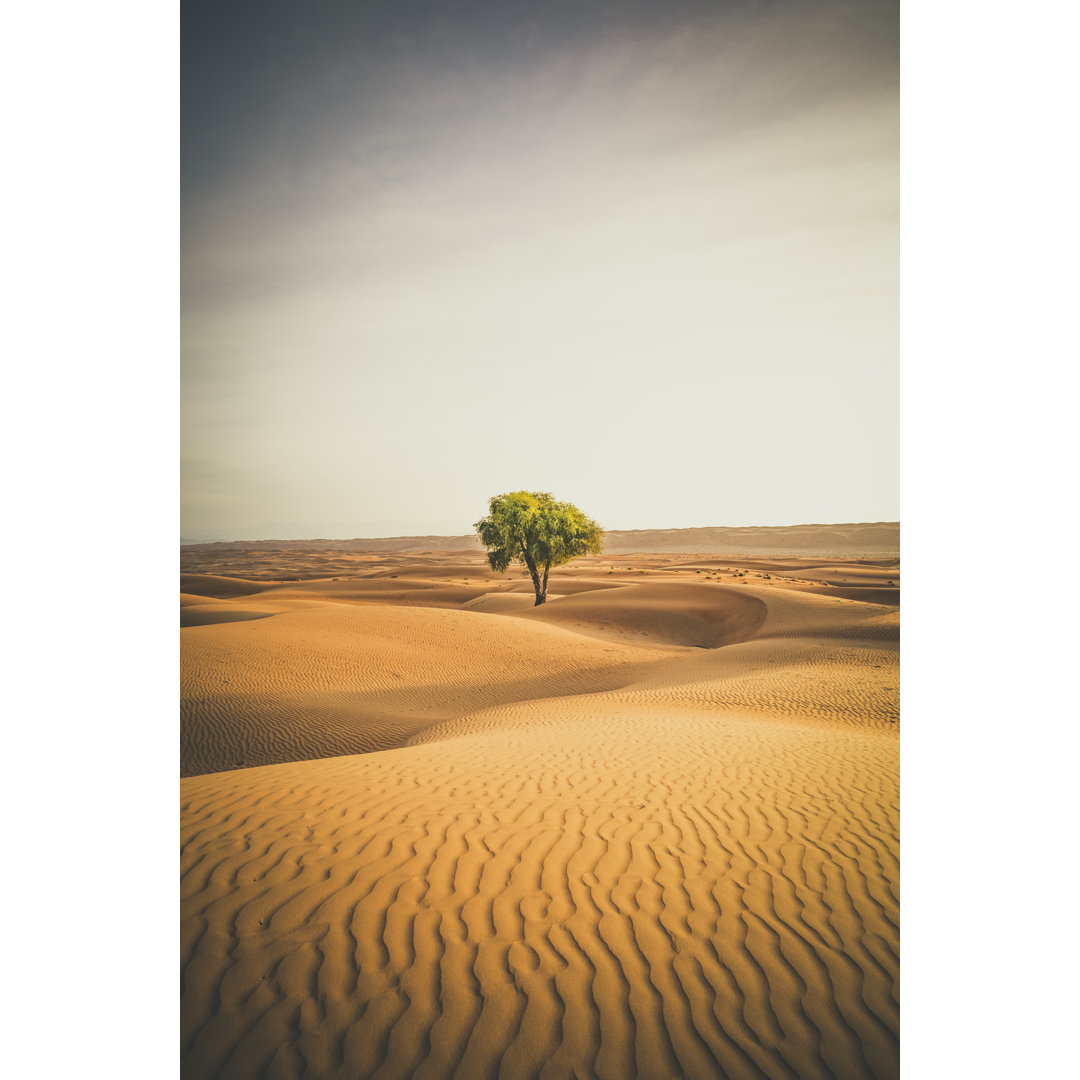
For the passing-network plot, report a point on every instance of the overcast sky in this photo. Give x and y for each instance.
(641, 255)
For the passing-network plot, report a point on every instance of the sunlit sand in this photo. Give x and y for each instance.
(648, 829)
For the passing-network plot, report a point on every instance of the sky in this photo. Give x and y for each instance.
(641, 255)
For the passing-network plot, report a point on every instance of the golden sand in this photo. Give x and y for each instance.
(649, 829)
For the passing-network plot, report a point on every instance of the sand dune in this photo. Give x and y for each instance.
(669, 614)
(216, 586)
(649, 829)
(325, 679)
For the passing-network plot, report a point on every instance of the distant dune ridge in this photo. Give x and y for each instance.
(879, 539)
(649, 829)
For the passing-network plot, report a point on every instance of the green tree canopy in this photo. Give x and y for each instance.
(530, 527)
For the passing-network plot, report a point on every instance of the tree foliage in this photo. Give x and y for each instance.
(530, 527)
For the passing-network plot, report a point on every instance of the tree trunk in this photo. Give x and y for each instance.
(540, 590)
(541, 596)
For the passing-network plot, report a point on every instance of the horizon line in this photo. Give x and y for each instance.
(191, 542)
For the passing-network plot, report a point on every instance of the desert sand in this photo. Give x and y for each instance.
(649, 829)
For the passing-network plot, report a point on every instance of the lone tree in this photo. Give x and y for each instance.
(530, 527)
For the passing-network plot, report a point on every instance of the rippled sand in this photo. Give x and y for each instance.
(648, 829)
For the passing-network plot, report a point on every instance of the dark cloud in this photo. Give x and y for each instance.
(263, 79)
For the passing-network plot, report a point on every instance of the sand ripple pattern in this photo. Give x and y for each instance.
(654, 900)
(288, 679)
(591, 860)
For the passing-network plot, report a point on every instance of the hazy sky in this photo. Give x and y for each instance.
(641, 255)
